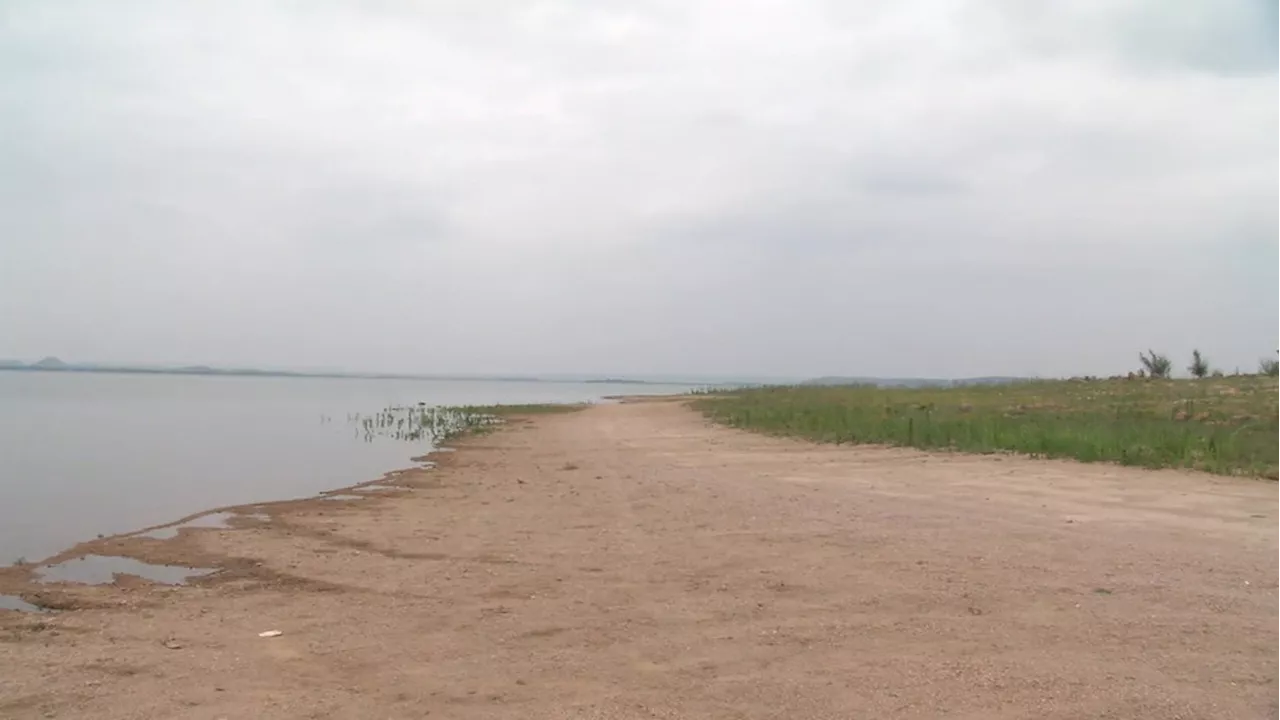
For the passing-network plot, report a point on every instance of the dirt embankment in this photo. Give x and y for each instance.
(630, 561)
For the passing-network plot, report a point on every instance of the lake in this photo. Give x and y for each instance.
(83, 454)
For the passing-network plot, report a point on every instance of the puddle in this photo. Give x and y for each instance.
(344, 496)
(13, 602)
(212, 520)
(102, 569)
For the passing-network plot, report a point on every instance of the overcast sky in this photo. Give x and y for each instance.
(895, 188)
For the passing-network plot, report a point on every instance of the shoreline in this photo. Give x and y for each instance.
(19, 580)
(633, 560)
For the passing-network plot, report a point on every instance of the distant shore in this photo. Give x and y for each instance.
(251, 372)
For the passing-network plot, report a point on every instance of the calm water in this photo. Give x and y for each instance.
(85, 454)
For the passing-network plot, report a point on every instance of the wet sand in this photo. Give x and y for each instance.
(632, 561)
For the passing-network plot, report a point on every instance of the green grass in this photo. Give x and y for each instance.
(1222, 425)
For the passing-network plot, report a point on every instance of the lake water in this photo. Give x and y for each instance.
(83, 454)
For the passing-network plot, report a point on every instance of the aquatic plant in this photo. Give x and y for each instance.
(436, 424)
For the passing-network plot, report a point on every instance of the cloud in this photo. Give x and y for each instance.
(703, 187)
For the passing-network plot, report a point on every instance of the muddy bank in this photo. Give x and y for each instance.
(631, 561)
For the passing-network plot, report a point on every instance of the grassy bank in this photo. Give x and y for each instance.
(1222, 425)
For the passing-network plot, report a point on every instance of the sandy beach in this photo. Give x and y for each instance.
(633, 561)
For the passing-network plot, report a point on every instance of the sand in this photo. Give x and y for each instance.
(632, 561)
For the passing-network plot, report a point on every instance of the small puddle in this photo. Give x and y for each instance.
(13, 602)
(344, 496)
(102, 569)
(212, 520)
(377, 487)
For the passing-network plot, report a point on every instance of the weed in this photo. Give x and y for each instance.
(437, 424)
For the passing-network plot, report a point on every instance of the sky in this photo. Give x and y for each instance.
(937, 188)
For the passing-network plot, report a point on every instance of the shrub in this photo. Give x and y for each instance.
(1156, 365)
(1268, 367)
(1199, 366)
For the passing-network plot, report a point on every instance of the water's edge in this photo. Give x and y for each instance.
(21, 584)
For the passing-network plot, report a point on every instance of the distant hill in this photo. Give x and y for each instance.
(55, 364)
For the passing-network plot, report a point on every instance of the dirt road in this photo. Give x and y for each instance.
(630, 561)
